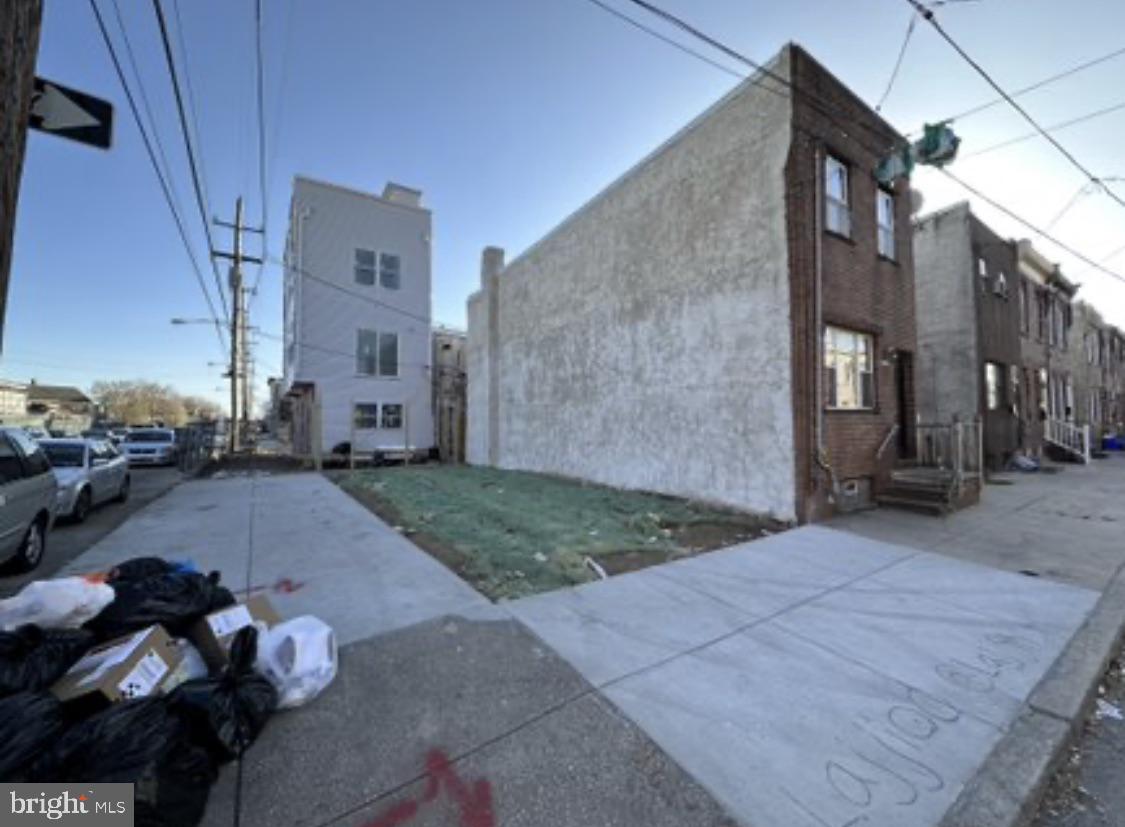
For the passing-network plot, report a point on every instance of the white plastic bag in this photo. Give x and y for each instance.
(299, 658)
(65, 603)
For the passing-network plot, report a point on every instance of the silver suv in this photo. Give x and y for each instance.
(27, 499)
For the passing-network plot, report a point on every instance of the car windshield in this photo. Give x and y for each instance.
(149, 436)
(64, 456)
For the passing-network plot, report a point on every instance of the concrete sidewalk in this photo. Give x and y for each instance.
(818, 677)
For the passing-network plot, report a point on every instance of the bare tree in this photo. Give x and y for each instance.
(140, 402)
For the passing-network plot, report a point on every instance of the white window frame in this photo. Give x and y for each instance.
(359, 366)
(401, 416)
(885, 232)
(993, 386)
(380, 336)
(359, 419)
(398, 270)
(837, 208)
(1000, 287)
(398, 355)
(841, 345)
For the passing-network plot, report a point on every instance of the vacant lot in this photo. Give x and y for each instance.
(511, 533)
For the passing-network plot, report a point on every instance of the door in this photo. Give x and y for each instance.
(904, 397)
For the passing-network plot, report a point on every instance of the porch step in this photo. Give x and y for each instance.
(925, 505)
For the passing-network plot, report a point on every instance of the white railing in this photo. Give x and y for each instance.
(1074, 438)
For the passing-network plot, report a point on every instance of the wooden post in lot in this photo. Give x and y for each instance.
(317, 447)
(351, 439)
(405, 433)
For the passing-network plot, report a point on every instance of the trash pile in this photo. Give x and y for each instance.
(151, 673)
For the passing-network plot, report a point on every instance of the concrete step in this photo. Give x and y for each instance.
(909, 502)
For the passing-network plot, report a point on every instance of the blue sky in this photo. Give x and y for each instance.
(508, 114)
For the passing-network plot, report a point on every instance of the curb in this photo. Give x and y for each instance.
(1007, 789)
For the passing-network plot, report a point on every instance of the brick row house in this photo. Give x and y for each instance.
(732, 320)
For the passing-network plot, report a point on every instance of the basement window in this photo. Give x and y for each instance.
(848, 378)
(838, 217)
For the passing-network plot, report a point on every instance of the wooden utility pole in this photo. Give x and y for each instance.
(20, 22)
(237, 321)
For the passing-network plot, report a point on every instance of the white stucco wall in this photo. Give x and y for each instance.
(327, 319)
(645, 343)
(948, 377)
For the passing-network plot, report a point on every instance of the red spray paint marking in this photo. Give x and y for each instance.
(474, 801)
(285, 585)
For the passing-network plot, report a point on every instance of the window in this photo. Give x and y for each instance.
(366, 415)
(1000, 288)
(365, 267)
(1014, 388)
(992, 388)
(376, 354)
(837, 217)
(34, 460)
(1025, 308)
(885, 218)
(982, 268)
(849, 382)
(392, 416)
(366, 348)
(11, 469)
(388, 354)
(390, 269)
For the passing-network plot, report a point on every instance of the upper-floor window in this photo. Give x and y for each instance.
(885, 219)
(1000, 288)
(390, 271)
(376, 354)
(849, 382)
(993, 388)
(838, 217)
(982, 268)
(365, 267)
(1025, 308)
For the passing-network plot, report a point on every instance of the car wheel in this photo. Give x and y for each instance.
(31, 550)
(82, 506)
(123, 492)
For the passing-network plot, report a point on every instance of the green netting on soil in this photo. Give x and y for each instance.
(515, 533)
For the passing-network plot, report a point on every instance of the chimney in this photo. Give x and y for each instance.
(491, 263)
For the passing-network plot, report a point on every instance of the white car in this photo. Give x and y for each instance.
(89, 472)
(150, 446)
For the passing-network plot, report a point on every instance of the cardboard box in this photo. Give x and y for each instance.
(212, 634)
(134, 666)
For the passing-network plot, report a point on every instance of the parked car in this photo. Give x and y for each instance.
(36, 433)
(89, 472)
(117, 435)
(27, 499)
(150, 446)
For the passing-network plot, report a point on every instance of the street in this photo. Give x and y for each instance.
(68, 540)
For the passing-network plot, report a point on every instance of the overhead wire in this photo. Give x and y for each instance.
(898, 62)
(1089, 116)
(969, 188)
(195, 178)
(260, 95)
(164, 186)
(929, 16)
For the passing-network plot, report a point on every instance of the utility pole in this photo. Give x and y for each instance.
(237, 322)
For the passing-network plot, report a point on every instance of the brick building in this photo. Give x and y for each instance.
(731, 320)
(1045, 297)
(969, 352)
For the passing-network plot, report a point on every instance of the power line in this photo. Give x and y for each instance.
(261, 141)
(1089, 116)
(1037, 85)
(673, 43)
(1035, 229)
(898, 63)
(199, 200)
(189, 88)
(156, 168)
(929, 16)
(995, 204)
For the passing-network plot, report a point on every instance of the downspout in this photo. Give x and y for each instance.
(821, 454)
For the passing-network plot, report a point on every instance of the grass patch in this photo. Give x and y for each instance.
(513, 533)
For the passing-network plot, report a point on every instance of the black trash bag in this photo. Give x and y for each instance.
(29, 723)
(225, 714)
(32, 658)
(139, 742)
(174, 600)
(138, 568)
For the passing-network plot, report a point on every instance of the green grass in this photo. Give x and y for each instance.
(512, 533)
